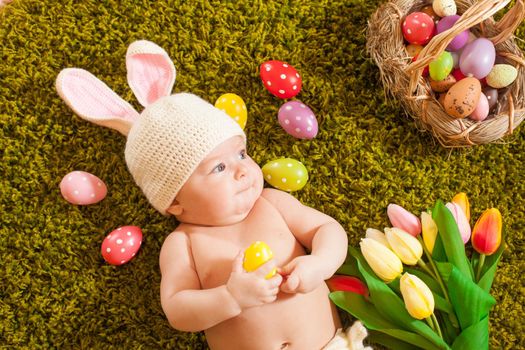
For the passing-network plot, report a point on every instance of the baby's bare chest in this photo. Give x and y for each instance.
(214, 249)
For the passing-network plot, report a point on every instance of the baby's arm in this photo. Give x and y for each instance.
(321, 234)
(190, 308)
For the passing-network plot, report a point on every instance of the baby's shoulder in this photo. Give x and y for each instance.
(279, 199)
(174, 240)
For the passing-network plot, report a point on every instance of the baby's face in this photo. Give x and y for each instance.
(223, 188)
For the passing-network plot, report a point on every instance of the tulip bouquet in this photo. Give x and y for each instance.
(414, 286)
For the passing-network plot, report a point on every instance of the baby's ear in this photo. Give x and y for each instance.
(151, 73)
(175, 208)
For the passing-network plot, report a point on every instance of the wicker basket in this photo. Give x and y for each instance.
(403, 78)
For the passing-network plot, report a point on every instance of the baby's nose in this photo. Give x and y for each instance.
(240, 172)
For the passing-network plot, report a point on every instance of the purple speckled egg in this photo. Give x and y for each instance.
(459, 40)
(298, 120)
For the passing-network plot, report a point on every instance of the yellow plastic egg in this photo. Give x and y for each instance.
(234, 106)
(286, 174)
(256, 255)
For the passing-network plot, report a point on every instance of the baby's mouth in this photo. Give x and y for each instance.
(245, 188)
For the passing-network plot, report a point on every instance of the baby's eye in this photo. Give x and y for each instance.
(219, 168)
(242, 154)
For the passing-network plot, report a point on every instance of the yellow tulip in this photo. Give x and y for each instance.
(382, 260)
(418, 298)
(462, 199)
(377, 235)
(430, 231)
(406, 246)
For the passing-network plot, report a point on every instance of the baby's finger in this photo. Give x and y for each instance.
(237, 262)
(265, 268)
(275, 281)
(291, 284)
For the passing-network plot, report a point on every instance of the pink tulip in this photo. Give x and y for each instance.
(403, 219)
(347, 284)
(461, 220)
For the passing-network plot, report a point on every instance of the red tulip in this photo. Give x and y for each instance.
(347, 284)
(486, 236)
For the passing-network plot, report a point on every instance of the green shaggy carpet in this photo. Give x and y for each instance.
(55, 289)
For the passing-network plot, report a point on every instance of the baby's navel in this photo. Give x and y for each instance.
(285, 345)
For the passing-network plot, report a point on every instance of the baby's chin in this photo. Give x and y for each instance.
(244, 203)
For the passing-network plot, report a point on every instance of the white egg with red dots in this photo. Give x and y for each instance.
(82, 188)
(121, 245)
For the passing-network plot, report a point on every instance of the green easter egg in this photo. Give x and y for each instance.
(441, 67)
(286, 174)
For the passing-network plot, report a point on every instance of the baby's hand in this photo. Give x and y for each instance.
(252, 288)
(304, 274)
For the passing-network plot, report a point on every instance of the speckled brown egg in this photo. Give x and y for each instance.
(462, 98)
(443, 85)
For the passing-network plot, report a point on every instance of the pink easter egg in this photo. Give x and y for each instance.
(280, 79)
(121, 245)
(481, 111)
(298, 120)
(82, 188)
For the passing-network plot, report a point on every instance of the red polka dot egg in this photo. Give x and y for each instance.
(82, 188)
(418, 28)
(121, 245)
(280, 79)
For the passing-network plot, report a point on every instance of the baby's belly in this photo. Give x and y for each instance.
(293, 321)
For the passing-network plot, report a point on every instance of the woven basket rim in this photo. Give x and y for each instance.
(402, 78)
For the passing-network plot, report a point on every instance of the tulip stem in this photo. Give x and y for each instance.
(480, 266)
(424, 266)
(430, 323)
(438, 329)
(437, 276)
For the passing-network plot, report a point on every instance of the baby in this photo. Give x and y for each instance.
(190, 160)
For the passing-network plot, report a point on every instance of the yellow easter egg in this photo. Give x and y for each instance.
(257, 254)
(234, 106)
(286, 174)
(502, 75)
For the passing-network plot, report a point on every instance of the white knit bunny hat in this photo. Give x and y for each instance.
(168, 140)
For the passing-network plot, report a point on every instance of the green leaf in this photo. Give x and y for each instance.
(349, 268)
(389, 341)
(489, 268)
(449, 331)
(390, 306)
(470, 301)
(440, 302)
(438, 253)
(451, 238)
(358, 307)
(445, 269)
(475, 337)
(429, 281)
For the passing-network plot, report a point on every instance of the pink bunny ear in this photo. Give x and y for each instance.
(94, 101)
(151, 73)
